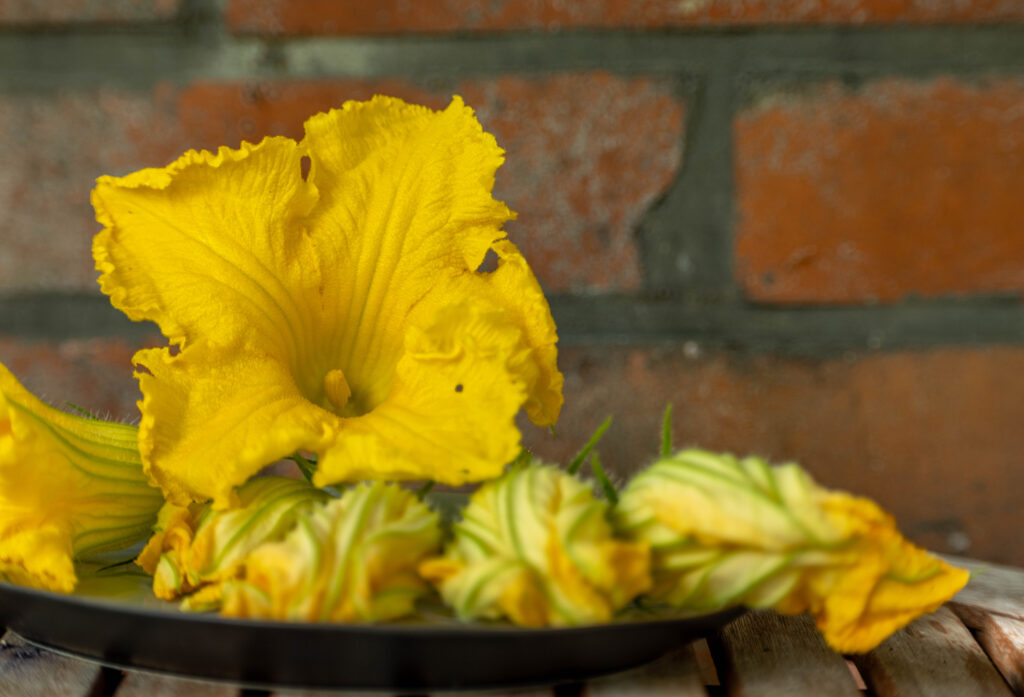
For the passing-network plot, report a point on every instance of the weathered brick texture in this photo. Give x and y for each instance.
(93, 374)
(303, 17)
(56, 12)
(587, 154)
(897, 188)
(933, 436)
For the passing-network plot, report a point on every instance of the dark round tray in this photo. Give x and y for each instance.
(133, 630)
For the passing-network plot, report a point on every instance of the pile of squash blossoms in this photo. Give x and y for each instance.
(327, 301)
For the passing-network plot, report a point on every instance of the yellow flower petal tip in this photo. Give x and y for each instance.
(343, 313)
(727, 531)
(70, 488)
(535, 547)
(195, 549)
(352, 559)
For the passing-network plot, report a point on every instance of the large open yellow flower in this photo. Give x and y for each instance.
(70, 488)
(341, 312)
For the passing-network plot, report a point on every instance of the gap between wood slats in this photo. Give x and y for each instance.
(1003, 641)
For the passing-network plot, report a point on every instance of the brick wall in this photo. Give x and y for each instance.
(799, 222)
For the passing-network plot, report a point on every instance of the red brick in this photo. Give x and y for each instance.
(899, 188)
(933, 436)
(587, 154)
(53, 12)
(303, 17)
(94, 374)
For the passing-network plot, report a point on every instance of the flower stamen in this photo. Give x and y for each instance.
(337, 389)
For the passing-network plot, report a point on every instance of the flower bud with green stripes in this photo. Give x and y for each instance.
(536, 547)
(195, 548)
(351, 559)
(726, 531)
(71, 488)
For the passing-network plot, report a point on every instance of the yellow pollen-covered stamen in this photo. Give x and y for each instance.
(337, 389)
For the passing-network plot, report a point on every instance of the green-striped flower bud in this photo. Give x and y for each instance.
(70, 488)
(535, 547)
(351, 559)
(726, 531)
(195, 547)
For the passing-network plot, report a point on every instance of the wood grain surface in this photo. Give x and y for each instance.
(768, 655)
(934, 655)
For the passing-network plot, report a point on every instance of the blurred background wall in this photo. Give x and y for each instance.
(799, 221)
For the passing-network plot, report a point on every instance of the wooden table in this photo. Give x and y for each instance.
(972, 646)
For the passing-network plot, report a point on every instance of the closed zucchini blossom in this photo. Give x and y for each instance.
(725, 531)
(194, 548)
(351, 559)
(341, 311)
(535, 547)
(70, 488)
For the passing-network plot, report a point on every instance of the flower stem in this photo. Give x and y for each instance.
(577, 461)
(610, 492)
(305, 466)
(666, 432)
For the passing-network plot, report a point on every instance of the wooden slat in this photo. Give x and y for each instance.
(767, 655)
(705, 663)
(520, 692)
(993, 589)
(934, 656)
(27, 671)
(330, 693)
(674, 675)
(523, 692)
(1003, 641)
(151, 685)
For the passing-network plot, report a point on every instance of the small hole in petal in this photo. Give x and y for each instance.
(490, 262)
(305, 164)
(458, 388)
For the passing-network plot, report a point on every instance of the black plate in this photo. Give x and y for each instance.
(116, 620)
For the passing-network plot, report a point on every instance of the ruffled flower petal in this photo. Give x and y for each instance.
(725, 531)
(352, 559)
(306, 308)
(210, 247)
(195, 548)
(535, 547)
(70, 488)
(450, 413)
(212, 418)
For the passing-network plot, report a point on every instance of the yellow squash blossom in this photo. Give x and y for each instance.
(725, 531)
(194, 549)
(342, 312)
(70, 488)
(535, 547)
(351, 559)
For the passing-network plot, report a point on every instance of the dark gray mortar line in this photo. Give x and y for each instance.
(137, 60)
(686, 239)
(810, 332)
(621, 320)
